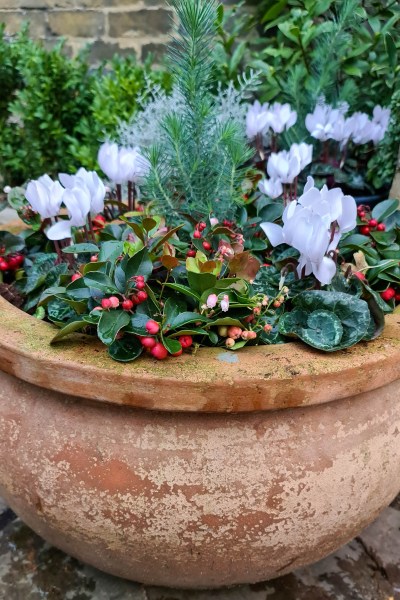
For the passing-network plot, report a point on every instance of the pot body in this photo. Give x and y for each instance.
(197, 500)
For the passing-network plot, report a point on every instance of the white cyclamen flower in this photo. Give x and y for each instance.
(93, 183)
(304, 152)
(283, 166)
(361, 128)
(271, 187)
(77, 200)
(281, 116)
(381, 116)
(257, 119)
(313, 225)
(321, 122)
(122, 164)
(45, 196)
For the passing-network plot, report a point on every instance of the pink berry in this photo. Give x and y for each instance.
(191, 253)
(127, 304)
(202, 226)
(105, 303)
(140, 285)
(94, 258)
(159, 351)
(142, 296)
(197, 234)
(148, 342)
(381, 227)
(207, 246)
(114, 301)
(388, 294)
(372, 222)
(177, 353)
(76, 276)
(152, 327)
(185, 341)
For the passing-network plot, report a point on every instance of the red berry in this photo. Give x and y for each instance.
(359, 275)
(13, 263)
(177, 353)
(202, 226)
(94, 258)
(197, 234)
(148, 342)
(127, 304)
(3, 265)
(141, 297)
(140, 285)
(20, 259)
(191, 253)
(76, 276)
(372, 222)
(388, 294)
(159, 351)
(381, 227)
(114, 301)
(185, 341)
(139, 278)
(361, 214)
(152, 327)
(105, 303)
(365, 230)
(207, 246)
(397, 297)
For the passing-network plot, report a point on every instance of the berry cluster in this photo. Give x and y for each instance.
(12, 262)
(157, 348)
(371, 224)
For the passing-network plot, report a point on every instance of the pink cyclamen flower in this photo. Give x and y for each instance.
(212, 300)
(225, 303)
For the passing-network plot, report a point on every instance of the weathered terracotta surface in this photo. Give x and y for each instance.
(198, 499)
(260, 378)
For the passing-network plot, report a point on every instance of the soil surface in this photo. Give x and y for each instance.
(366, 569)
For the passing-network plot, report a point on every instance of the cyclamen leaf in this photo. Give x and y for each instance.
(310, 322)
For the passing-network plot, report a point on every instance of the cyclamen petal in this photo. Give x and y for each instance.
(60, 231)
(274, 233)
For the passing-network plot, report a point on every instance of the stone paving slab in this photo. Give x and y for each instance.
(366, 569)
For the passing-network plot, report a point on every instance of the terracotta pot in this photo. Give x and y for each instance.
(197, 472)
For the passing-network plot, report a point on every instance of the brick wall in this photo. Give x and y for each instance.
(111, 26)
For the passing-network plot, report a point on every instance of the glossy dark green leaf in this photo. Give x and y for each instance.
(99, 281)
(81, 249)
(139, 264)
(111, 322)
(70, 328)
(126, 349)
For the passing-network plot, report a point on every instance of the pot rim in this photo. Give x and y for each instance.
(215, 381)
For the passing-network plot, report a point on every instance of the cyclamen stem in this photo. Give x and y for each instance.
(130, 203)
(58, 250)
(119, 192)
(92, 234)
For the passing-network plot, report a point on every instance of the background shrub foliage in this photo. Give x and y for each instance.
(55, 110)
